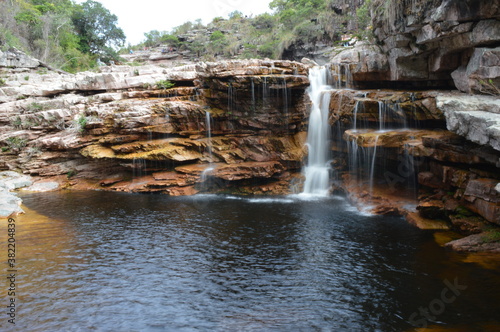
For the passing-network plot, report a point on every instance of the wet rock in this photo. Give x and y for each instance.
(421, 222)
(484, 189)
(475, 243)
(433, 209)
(10, 204)
(467, 224)
(43, 186)
(385, 139)
(247, 170)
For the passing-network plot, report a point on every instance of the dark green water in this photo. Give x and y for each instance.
(123, 262)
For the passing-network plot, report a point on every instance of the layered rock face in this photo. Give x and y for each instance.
(235, 124)
(430, 155)
(393, 154)
(426, 44)
(240, 126)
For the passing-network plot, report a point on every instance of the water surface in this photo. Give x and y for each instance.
(124, 262)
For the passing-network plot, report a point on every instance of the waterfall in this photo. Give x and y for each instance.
(372, 166)
(265, 90)
(382, 114)
(208, 129)
(343, 76)
(207, 172)
(356, 109)
(317, 170)
(138, 167)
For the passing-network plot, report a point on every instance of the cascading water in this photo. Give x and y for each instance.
(317, 170)
(382, 114)
(372, 166)
(209, 169)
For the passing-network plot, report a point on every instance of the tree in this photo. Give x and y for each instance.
(217, 42)
(152, 37)
(97, 30)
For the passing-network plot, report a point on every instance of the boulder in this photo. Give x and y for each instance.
(477, 118)
(9, 205)
(475, 243)
(482, 73)
(365, 62)
(14, 58)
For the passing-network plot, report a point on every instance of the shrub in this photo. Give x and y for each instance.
(82, 123)
(71, 173)
(16, 143)
(164, 84)
(35, 107)
(16, 122)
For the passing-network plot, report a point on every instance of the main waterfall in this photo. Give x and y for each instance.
(318, 138)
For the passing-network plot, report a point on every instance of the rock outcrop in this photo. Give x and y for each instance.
(475, 117)
(240, 126)
(10, 204)
(429, 44)
(431, 156)
(126, 128)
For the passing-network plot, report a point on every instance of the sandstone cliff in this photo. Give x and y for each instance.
(426, 154)
(122, 129)
(240, 126)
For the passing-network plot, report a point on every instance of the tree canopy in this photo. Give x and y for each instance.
(97, 30)
(293, 22)
(60, 32)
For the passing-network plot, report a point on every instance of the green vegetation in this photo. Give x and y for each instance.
(164, 84)
(81, 123)
(61, 33)
(487, 87)
(34, 107)
(16, 143)
(364, 20)
(97, 31)
(293, 23)
(491, 235)
(73, 37)
(71, 173)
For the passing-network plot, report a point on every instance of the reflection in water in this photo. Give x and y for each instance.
(122, 262)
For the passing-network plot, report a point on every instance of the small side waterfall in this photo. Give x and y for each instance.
(207, 172)
(318, 138)
(208, 128)
(372, 166)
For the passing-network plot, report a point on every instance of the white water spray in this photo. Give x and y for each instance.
(318, 138)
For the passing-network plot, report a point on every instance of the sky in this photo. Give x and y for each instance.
(137, 17)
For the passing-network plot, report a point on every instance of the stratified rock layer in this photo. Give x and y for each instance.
(428, 44)
(114, 129)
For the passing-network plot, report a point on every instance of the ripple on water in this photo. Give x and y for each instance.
(110, 262)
